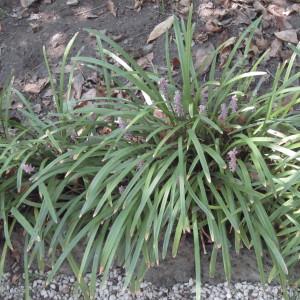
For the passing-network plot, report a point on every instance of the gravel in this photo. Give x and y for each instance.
(64, 287)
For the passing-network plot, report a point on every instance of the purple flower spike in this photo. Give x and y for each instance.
(163, 86)
(178, 105)
(28, 168)
(223, 113)
(232, 159)
(202, 109)
(234, 103)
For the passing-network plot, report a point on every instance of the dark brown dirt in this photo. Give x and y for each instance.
(23, 32)
(171, 270)
(21, 39)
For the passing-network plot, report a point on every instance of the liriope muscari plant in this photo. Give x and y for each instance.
(128, 176)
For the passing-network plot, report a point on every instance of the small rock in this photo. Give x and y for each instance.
(64, 289)
(238, 286)
(44, 294)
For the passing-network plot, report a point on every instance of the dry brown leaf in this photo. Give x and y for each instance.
(185, 2)
(175, 63)
(161, 29)
(286, 54)
(242, 18)
(27, 3)
(81, 104)
(213, 26)
(220, 12)
(16, 252)
(224, 54)
(259, 7)
(201, 37)
(111, 7)
(254, 51)
(57, 40)
(105, 131)
(36, 87)
(224, 37)
(226, 50)
(204, 57)
(146, 61)
(282, 3)
(287, 36)
(206, 10)
(283, 24)
(10, 172)
(276, 10)
(293, 8)
(267, 21)
(261, 43)
(226, 3)
(229, 42)
(138, 4)
(184, 6)
(275, 48)
(78, 82)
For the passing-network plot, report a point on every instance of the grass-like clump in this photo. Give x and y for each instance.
(128, 176)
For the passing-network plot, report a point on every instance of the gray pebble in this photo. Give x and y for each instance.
(64, 287)
(44, 294)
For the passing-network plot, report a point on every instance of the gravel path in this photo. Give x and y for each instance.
(64, 287)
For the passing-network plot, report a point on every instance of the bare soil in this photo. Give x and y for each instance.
(23, 32)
